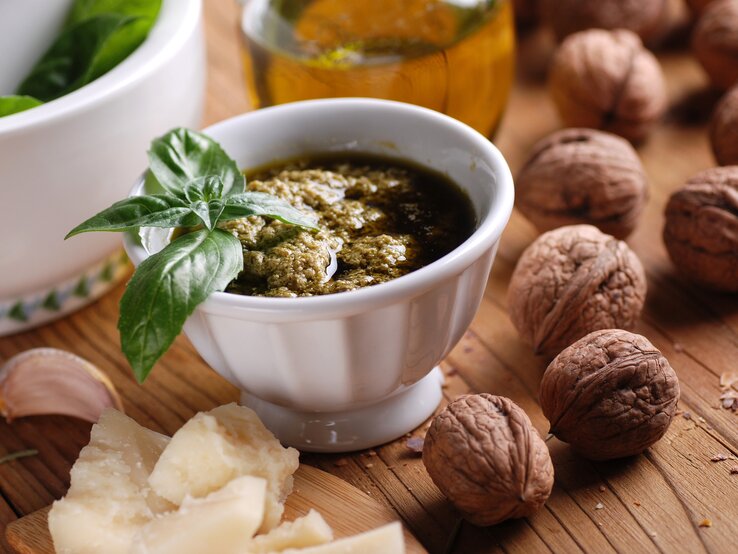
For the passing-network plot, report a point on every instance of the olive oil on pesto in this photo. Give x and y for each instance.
(379, 219)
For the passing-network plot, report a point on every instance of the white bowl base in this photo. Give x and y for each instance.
(351, 430)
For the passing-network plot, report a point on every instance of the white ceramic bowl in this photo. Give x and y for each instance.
(62, 162)
(352, 370)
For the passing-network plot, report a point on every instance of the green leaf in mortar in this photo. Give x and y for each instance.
(16, 104)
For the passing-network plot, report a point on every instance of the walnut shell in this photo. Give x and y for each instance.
(583, 176)
(566, 17)
(724, 129)
(701, 229)
(572, 281)
(484, 454)
(608, 80)
(715, 42)
(609, 395)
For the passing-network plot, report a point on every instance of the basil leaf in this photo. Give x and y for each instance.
(81, 54)
(16, 104)
(125, 40)
(182, 156)
(85, 9)
(260, 203)
(156, 210)
(208, 212)
(167, 287)
(204, 188)
(204, 195)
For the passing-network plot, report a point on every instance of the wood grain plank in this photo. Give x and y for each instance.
(28, 483)
(226, 91)
(7, 516)
(706, 488)
(512, 537)
(553, 533)
(650, 499)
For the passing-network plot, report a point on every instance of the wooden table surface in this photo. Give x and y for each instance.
(651, 503)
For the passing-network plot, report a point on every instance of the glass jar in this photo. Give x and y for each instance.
(453, 56)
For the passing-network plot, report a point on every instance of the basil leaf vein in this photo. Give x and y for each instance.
(167, 287)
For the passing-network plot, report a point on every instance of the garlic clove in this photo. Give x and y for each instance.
(45, 381)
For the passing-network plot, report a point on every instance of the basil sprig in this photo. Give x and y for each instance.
(200, 186)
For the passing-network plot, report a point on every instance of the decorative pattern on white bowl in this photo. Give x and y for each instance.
(49, 304)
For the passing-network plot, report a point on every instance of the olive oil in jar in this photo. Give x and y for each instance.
(453, 56)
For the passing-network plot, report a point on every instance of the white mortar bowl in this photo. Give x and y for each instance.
(64, 161)
(351, 370)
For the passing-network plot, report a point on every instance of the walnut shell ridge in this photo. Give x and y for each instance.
(566, 17)
(572, 281)
(583, 176)
(724, 129)
(609, 395)
(701, 229)
(484, 454)
(607, 80)
(715, 42)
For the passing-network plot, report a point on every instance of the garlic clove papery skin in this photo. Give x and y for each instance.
(46, 381)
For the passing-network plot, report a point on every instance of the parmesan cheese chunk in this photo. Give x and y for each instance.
(109, 498)
(309, 530)
(222, 522)
(383, 540)
(217, 446)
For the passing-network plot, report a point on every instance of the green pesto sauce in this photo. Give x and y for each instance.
(379, 219)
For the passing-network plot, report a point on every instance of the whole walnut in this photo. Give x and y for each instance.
(609, 395)
(701, 229)
(484, 454)
(583, 176)
(572, 281)
(608, 80)
(566, 17)
(715, 42)
(724, 129)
